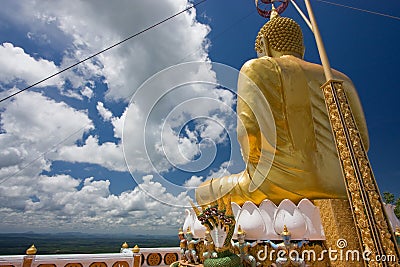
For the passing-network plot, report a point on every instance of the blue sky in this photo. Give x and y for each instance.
(66, 150)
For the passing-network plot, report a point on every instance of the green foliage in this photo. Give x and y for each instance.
(397, 208)
(388, 197)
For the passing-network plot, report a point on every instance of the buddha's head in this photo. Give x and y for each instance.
(280, 36)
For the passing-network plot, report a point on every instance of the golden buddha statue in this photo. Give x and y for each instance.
(302, 161)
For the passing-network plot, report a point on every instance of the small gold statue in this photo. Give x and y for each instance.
(287, 246)
(182, 244)
(243, 248)
(190, 253)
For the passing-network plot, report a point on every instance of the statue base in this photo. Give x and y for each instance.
(340, 232)
(322, 233)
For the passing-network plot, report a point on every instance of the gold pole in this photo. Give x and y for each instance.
(371, 221)
(369, 215)
(302, 15)
(320, 43)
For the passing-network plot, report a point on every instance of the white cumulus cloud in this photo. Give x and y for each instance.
(104, 112)
(108, 154)
(16, 65)
(57, 203)
(37, 130)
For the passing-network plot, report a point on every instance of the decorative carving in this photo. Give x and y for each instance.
(120, 264)
(266, 221)
(154, 259)
(219, 220)
(364, 198)
(74, 264)
(138, 260)
(170, 258)
(338, 224)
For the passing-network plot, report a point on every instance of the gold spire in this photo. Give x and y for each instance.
(136, 249)
(125, 245)
(285, 231)
(31, 251)
(274, 13)
(188, 231)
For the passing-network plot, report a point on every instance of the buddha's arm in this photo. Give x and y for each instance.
(258, 78)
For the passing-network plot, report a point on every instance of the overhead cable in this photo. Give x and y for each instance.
(359, 9)
(102, 51)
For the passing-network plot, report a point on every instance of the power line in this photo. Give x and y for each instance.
(359, 9)
(219, 34)
(102, 51)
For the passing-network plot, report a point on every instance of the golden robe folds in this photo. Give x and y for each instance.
(304, 163)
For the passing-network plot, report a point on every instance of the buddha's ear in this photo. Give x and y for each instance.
(264, 47)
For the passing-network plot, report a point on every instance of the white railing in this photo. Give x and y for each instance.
(160, 257)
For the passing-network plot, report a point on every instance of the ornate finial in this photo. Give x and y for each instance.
(188, 231)
(274, 13)
(285, 231)
(240, 231)
(125, 245)
(136, 249)
(31, 251)
(180, 231)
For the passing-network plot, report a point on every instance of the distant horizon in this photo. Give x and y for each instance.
(87, 234)
(49, 244)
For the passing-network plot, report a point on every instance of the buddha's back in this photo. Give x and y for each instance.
(283, 126)
(305, 163)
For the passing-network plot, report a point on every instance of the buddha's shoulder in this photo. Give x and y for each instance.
(313, 68)
(262, 63)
